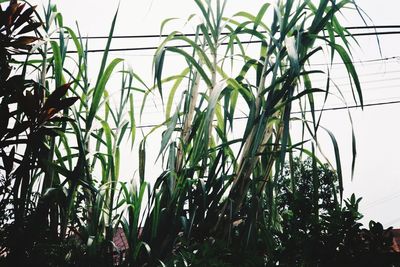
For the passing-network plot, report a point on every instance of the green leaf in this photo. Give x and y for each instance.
(171, 96)
(338, 161)
(260, 15)
(109, 143)
(158, 68)
(142, 160)
(99, 90)
(192, 61)
(103, 76)
(76, 41)
(132, 120)
(351, 71)
(164, 22)
(58, 65)
(170, 129)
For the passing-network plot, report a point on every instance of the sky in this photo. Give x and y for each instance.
(377, 129)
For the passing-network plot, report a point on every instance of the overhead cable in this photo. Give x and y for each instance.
(307, 111)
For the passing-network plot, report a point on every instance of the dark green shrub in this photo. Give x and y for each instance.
(318, 230)
(28, 118)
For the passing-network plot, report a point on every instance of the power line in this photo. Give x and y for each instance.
(377, 60)
(147, 36)
(359, 61)
(146, 48)
(373, 81)
(157, 102)
(334, 79)
(182, 46)
(373, 33)
(153, 108)
(307, 111)
(368, 74)
(382, 200)
(390, 223)
(389, 26)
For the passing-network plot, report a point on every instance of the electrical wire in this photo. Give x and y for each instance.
(396, 220)
(146, 48)
(307, 111)
(147, 36)
(382, 200)
(253, 42)
(323, 83)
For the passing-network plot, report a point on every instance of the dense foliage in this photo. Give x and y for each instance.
(230, 194)
(316, 230)
(319, 231)
(28, 121)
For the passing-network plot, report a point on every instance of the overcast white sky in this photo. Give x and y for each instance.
(377, 128)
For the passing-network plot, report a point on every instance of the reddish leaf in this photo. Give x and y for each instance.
(61, 91)
(55, 107)
(10, 11)
(47, 114)
(18, 11)
(24, 42)
(30, 27)
(67, 102)
(24, 17)
(56, 95)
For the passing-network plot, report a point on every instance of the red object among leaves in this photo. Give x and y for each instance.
(120, 240)
(396, 240)
(121, 245)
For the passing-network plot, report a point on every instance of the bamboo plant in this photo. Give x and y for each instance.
(215, 185)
